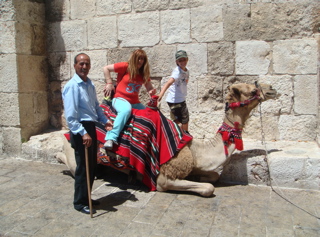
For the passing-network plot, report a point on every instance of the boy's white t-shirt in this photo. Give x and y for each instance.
(177, 92)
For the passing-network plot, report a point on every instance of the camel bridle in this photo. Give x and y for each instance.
(256, 96)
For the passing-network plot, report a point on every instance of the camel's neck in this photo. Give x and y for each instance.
(236, 117)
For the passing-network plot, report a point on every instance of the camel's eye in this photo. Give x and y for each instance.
(254, 92)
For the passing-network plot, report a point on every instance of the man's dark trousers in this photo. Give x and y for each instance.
(80, 184)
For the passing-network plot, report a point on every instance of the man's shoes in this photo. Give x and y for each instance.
(95, 202)
(86, 210)
(108, 144)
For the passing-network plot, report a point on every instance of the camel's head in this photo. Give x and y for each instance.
(243, 94)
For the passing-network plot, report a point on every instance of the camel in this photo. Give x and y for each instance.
(206, 159)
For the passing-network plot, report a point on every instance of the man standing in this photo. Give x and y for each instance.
(82, 109)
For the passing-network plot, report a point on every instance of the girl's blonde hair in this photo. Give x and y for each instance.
(133, 65)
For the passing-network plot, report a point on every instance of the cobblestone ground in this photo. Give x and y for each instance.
(36, 200)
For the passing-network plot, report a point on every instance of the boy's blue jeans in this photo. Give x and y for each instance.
(123, 108)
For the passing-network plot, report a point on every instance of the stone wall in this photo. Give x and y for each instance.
(230, 41)
(23, 73)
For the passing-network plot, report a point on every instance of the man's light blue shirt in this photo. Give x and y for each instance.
(81, 104)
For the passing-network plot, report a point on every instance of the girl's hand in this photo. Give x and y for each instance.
(108, 90)
(108, 126)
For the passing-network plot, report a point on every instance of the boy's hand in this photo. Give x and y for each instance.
(152, 92)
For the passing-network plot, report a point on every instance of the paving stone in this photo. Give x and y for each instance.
(37, 201)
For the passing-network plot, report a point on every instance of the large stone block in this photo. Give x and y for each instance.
(111, 7)
(221, 58)
(33, 108)
(32, 73)
(197, 55)
(237, 22)
(173, 29)
(252, 57)
(284, 20)
(9, 108)
(60, 66)
(206, 23)
(7, 11)
(31, 39)
(209, 94)
(8, 73)
(261, 127)
(67, 36)
(295, 56)
(297, 128)
(32, 12)
(305, 91)
(150, 5)
(139, 29)
(102, 32)
(296, 168)
(11, 141)
(161, 59)
(7, 37)
(82, 9)
(283, 104)
(57, 10)
(179, 4)
(205, 125)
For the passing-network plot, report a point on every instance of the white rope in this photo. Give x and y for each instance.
(269, 182)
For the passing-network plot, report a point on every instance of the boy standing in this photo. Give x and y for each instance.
(177, 85)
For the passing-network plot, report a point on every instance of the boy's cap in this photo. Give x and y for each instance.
(181, 54)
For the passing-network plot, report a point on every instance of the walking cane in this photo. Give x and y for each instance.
(88, 181)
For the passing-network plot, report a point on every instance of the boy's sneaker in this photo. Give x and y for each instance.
(108, 144)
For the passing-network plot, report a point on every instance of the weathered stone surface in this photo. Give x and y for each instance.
(7, 11)
(110, 7)
(32, 76)
(102, 32)
(67, 35)
(297, 128)
(139, 29)
(161, 59)
(32, 12)
(284, 20)
(178, 4)
(205, 124)
(33, 109)
(44, 147)
(11, 141)
(295, 56)
(239, 29)
(10, 109)
(284, 102)
(60, 66)
(210, 96)
(172, 29)
(261, 126)
(252, 57)
(82, 9)
(57, 10)
(7, 37)
(150, 5)
(8, 74)
(197, 55)
(305, 91)
(221, 58)
(206, 23)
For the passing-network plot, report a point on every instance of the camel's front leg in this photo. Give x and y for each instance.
(165, 184)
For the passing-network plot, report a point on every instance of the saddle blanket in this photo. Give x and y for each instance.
(147, 141)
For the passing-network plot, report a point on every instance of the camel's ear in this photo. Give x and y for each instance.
(236, 92)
